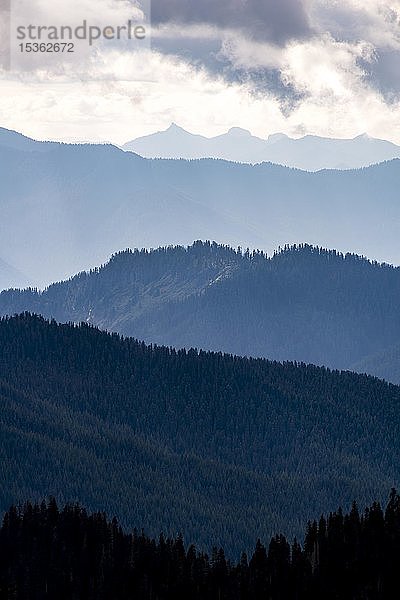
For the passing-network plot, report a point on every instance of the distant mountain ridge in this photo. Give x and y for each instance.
(310, 153)
(304, 303)
(68, 208)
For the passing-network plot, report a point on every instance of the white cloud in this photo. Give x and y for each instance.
(324, 67)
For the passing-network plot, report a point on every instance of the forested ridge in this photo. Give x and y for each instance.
(224, 448)
(304, 303)
(69, 554)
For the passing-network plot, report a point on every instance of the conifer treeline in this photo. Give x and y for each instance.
(68, 554)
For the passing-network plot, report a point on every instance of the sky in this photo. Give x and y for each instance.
(322, 67)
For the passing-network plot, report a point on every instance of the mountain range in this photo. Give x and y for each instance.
(66, 208)
(310, 152)
(218, 442)
(222, 448)
(304, 303)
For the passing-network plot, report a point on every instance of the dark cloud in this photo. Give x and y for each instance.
(198, 51)
(276, 21)
(271, 21)
(383, 74)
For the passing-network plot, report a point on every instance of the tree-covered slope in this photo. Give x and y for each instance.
(221, 447)
(303, 304)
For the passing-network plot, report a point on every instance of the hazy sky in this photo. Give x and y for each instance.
(326, 67)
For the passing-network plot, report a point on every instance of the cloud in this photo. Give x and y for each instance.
(254, 38)
(375, 21)
(383, 74)
(324, 67)
(269, 20)
(127, 96)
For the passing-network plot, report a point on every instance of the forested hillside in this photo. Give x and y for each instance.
(220, 447)
(304, 303)
(47, 552)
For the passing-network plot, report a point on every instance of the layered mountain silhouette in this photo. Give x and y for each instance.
(223, 448)
(66, 208)
(304, 303)
(309, 152)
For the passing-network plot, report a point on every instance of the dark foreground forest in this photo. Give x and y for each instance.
(67, 554)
